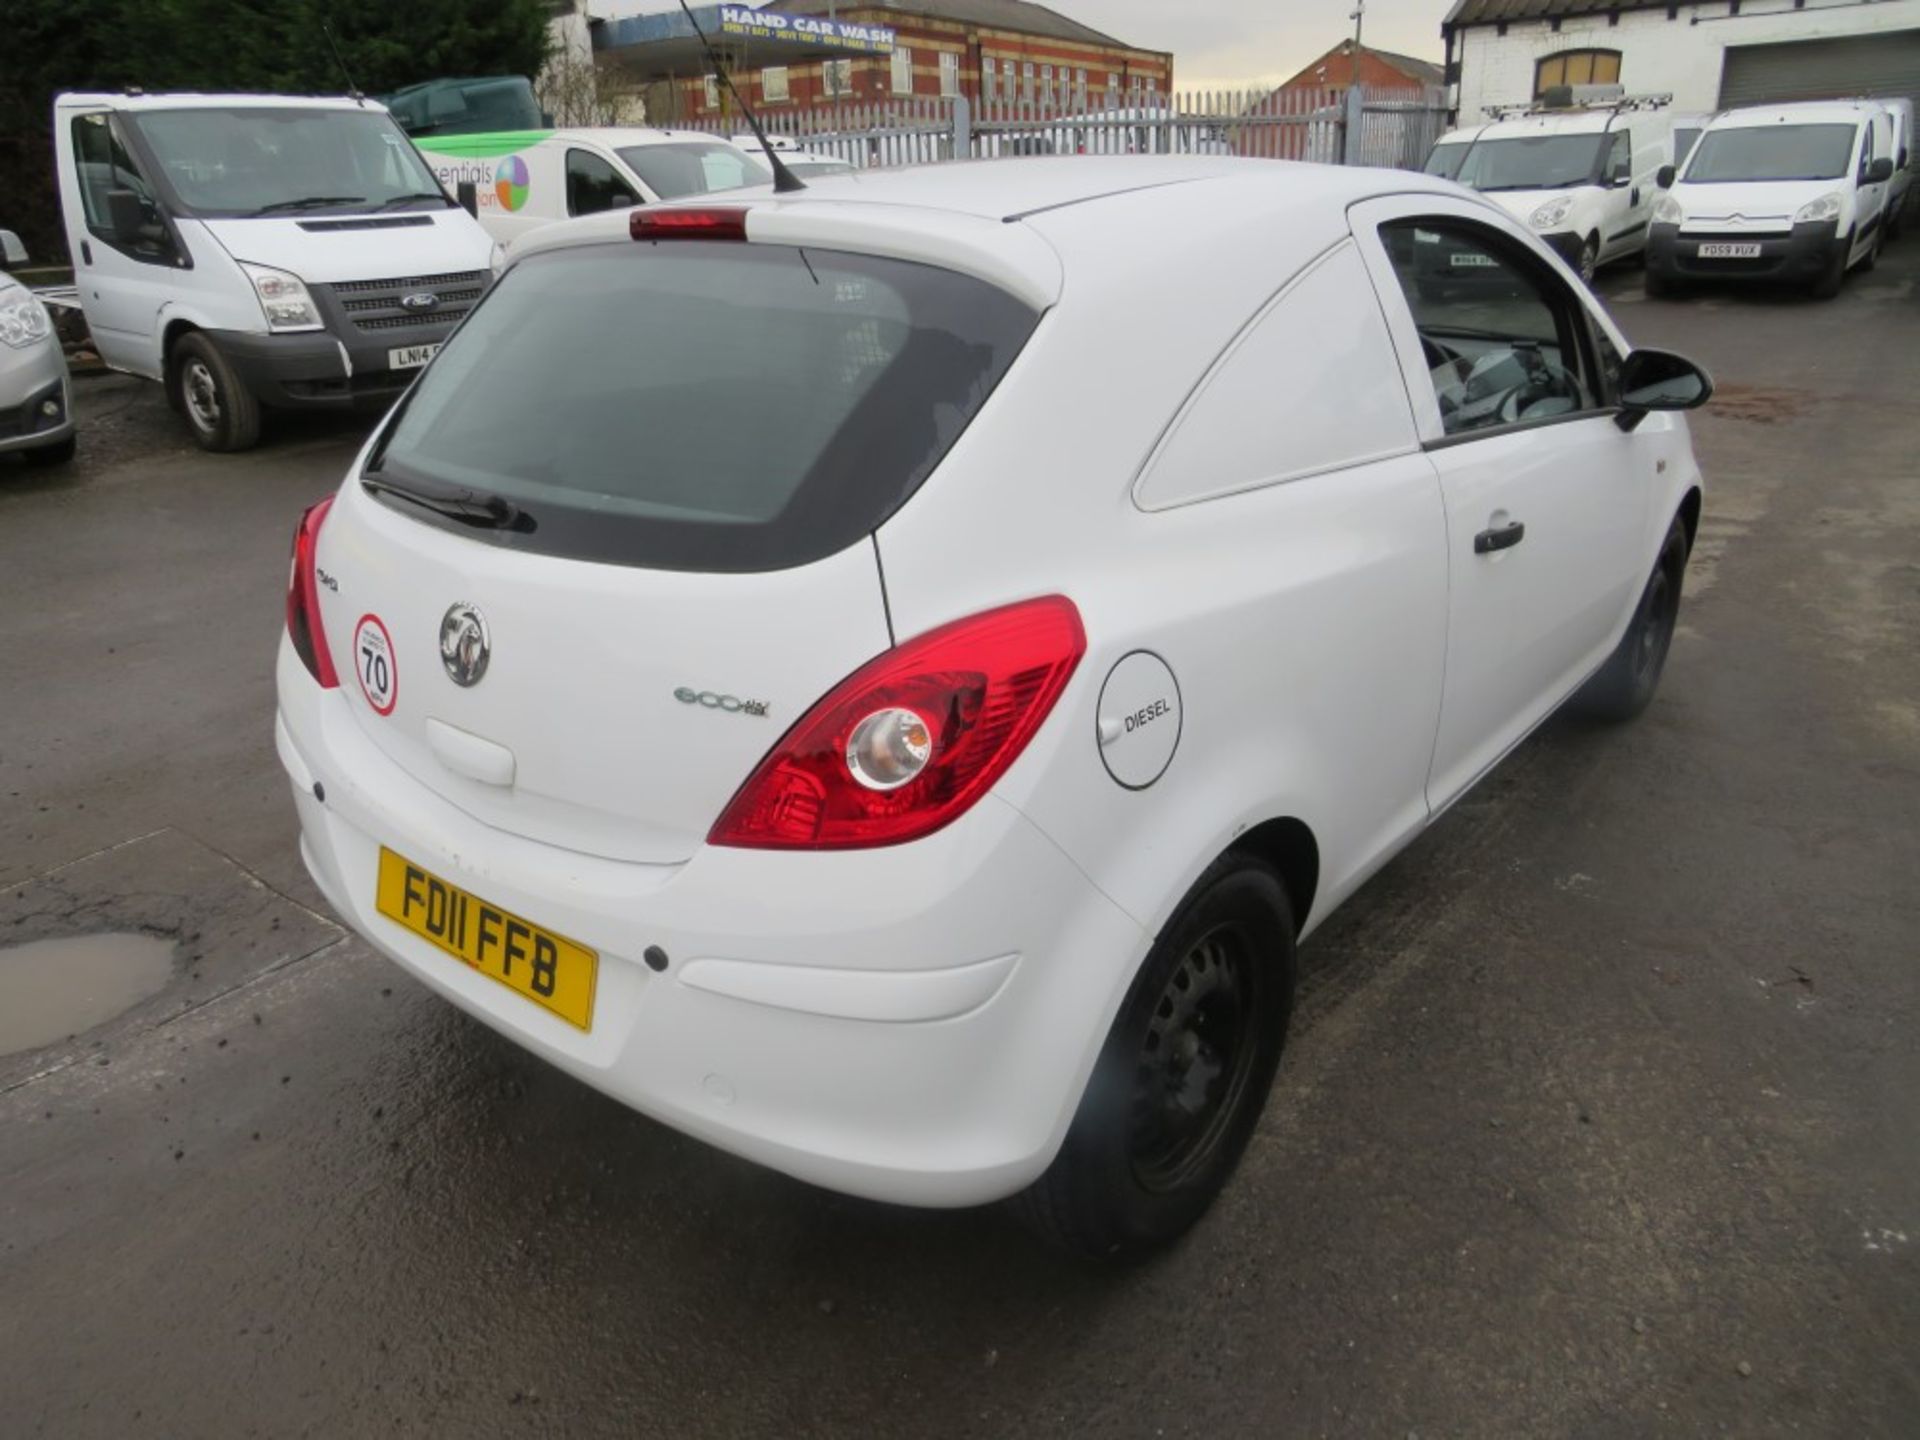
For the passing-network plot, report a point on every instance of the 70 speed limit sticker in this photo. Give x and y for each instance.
(374, 663)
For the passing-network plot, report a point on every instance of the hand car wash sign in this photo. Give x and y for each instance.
(805, 30)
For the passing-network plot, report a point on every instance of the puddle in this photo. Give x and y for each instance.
(51, 989)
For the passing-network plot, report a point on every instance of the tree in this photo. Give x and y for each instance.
(276, 46)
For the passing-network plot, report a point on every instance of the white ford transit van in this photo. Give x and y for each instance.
(1791, 193)
(1577, 168)
(524, 179)
(260, 251)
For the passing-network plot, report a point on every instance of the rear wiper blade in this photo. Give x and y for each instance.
(411, 196)
(307, 202)
(480, 508)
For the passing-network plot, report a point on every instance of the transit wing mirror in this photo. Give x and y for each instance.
(1659, 380)
(1664, 177)
(12, 252)
(1879, 171)
(467, 195)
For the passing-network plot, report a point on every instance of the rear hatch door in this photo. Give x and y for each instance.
(669, 460)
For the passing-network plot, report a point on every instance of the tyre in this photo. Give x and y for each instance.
(221, 412)
(58, 453)
(1873, 252)
(1835, 275)
(1183, 1075)
(1589, 262)
(1624, 686)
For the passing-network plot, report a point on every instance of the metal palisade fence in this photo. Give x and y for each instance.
(1393, 128)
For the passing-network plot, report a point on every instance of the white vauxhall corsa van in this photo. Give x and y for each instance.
(864, 728)
(260, 251)
(524, 179)
(1578, 169)
(1792, 193)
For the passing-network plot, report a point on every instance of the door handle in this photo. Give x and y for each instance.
(86, 252)
(1505, 537)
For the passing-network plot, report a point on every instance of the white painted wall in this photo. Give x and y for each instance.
(1657, 55)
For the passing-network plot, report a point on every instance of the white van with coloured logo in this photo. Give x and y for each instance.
(260, 251)
(523, 179)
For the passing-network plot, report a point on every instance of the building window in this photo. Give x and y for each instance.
(773, 85)
(1046, 83)
(713, 93)
(987, 77)
(1149, 84)
(1113, 82)
(902, 70)
(949, 72)
(836, 77)
(1576, 67)
(1080, 84)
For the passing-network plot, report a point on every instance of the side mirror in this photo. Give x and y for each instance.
(1664, 177)
(1659, 380)
(467, 194)
(12, 252)
(125, 215)
(1879, 171)
(621, 200)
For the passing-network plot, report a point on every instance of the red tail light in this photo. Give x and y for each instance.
(913, 738)
(703, 223)
(303, 599)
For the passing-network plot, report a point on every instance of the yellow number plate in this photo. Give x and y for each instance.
(548, 969)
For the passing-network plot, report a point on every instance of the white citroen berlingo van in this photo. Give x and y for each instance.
(1793, 193)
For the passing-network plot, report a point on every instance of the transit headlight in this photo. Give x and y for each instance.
(284, 298)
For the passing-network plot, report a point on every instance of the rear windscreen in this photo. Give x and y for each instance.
(704, 405)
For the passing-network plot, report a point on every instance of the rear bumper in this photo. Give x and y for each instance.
(1800, 255)
(315, 370)
(914, 1024)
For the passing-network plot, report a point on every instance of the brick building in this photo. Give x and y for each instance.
(1380, 71)
(999, 50)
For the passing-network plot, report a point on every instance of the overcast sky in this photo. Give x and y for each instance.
(1223, 43)
(1239, 42)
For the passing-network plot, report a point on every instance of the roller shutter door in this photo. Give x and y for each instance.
(1885, 63)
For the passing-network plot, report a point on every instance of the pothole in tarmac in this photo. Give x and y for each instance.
(51, 989)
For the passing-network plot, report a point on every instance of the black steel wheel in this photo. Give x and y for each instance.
(1183, 1075)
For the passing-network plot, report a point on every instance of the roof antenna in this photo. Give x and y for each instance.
(784, 180)
(326, 29)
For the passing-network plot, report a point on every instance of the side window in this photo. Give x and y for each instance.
(594, 185)
(1503, 338)
(1311, 385)
(1866, 148)
(105, 167)
(1620, 158)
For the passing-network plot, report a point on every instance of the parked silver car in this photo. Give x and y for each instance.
(36, 394)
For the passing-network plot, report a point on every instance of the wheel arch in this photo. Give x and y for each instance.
(1288, 845)
(170, 335)
(1690, 514)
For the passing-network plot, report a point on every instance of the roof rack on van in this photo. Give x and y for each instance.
(1594, 99)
